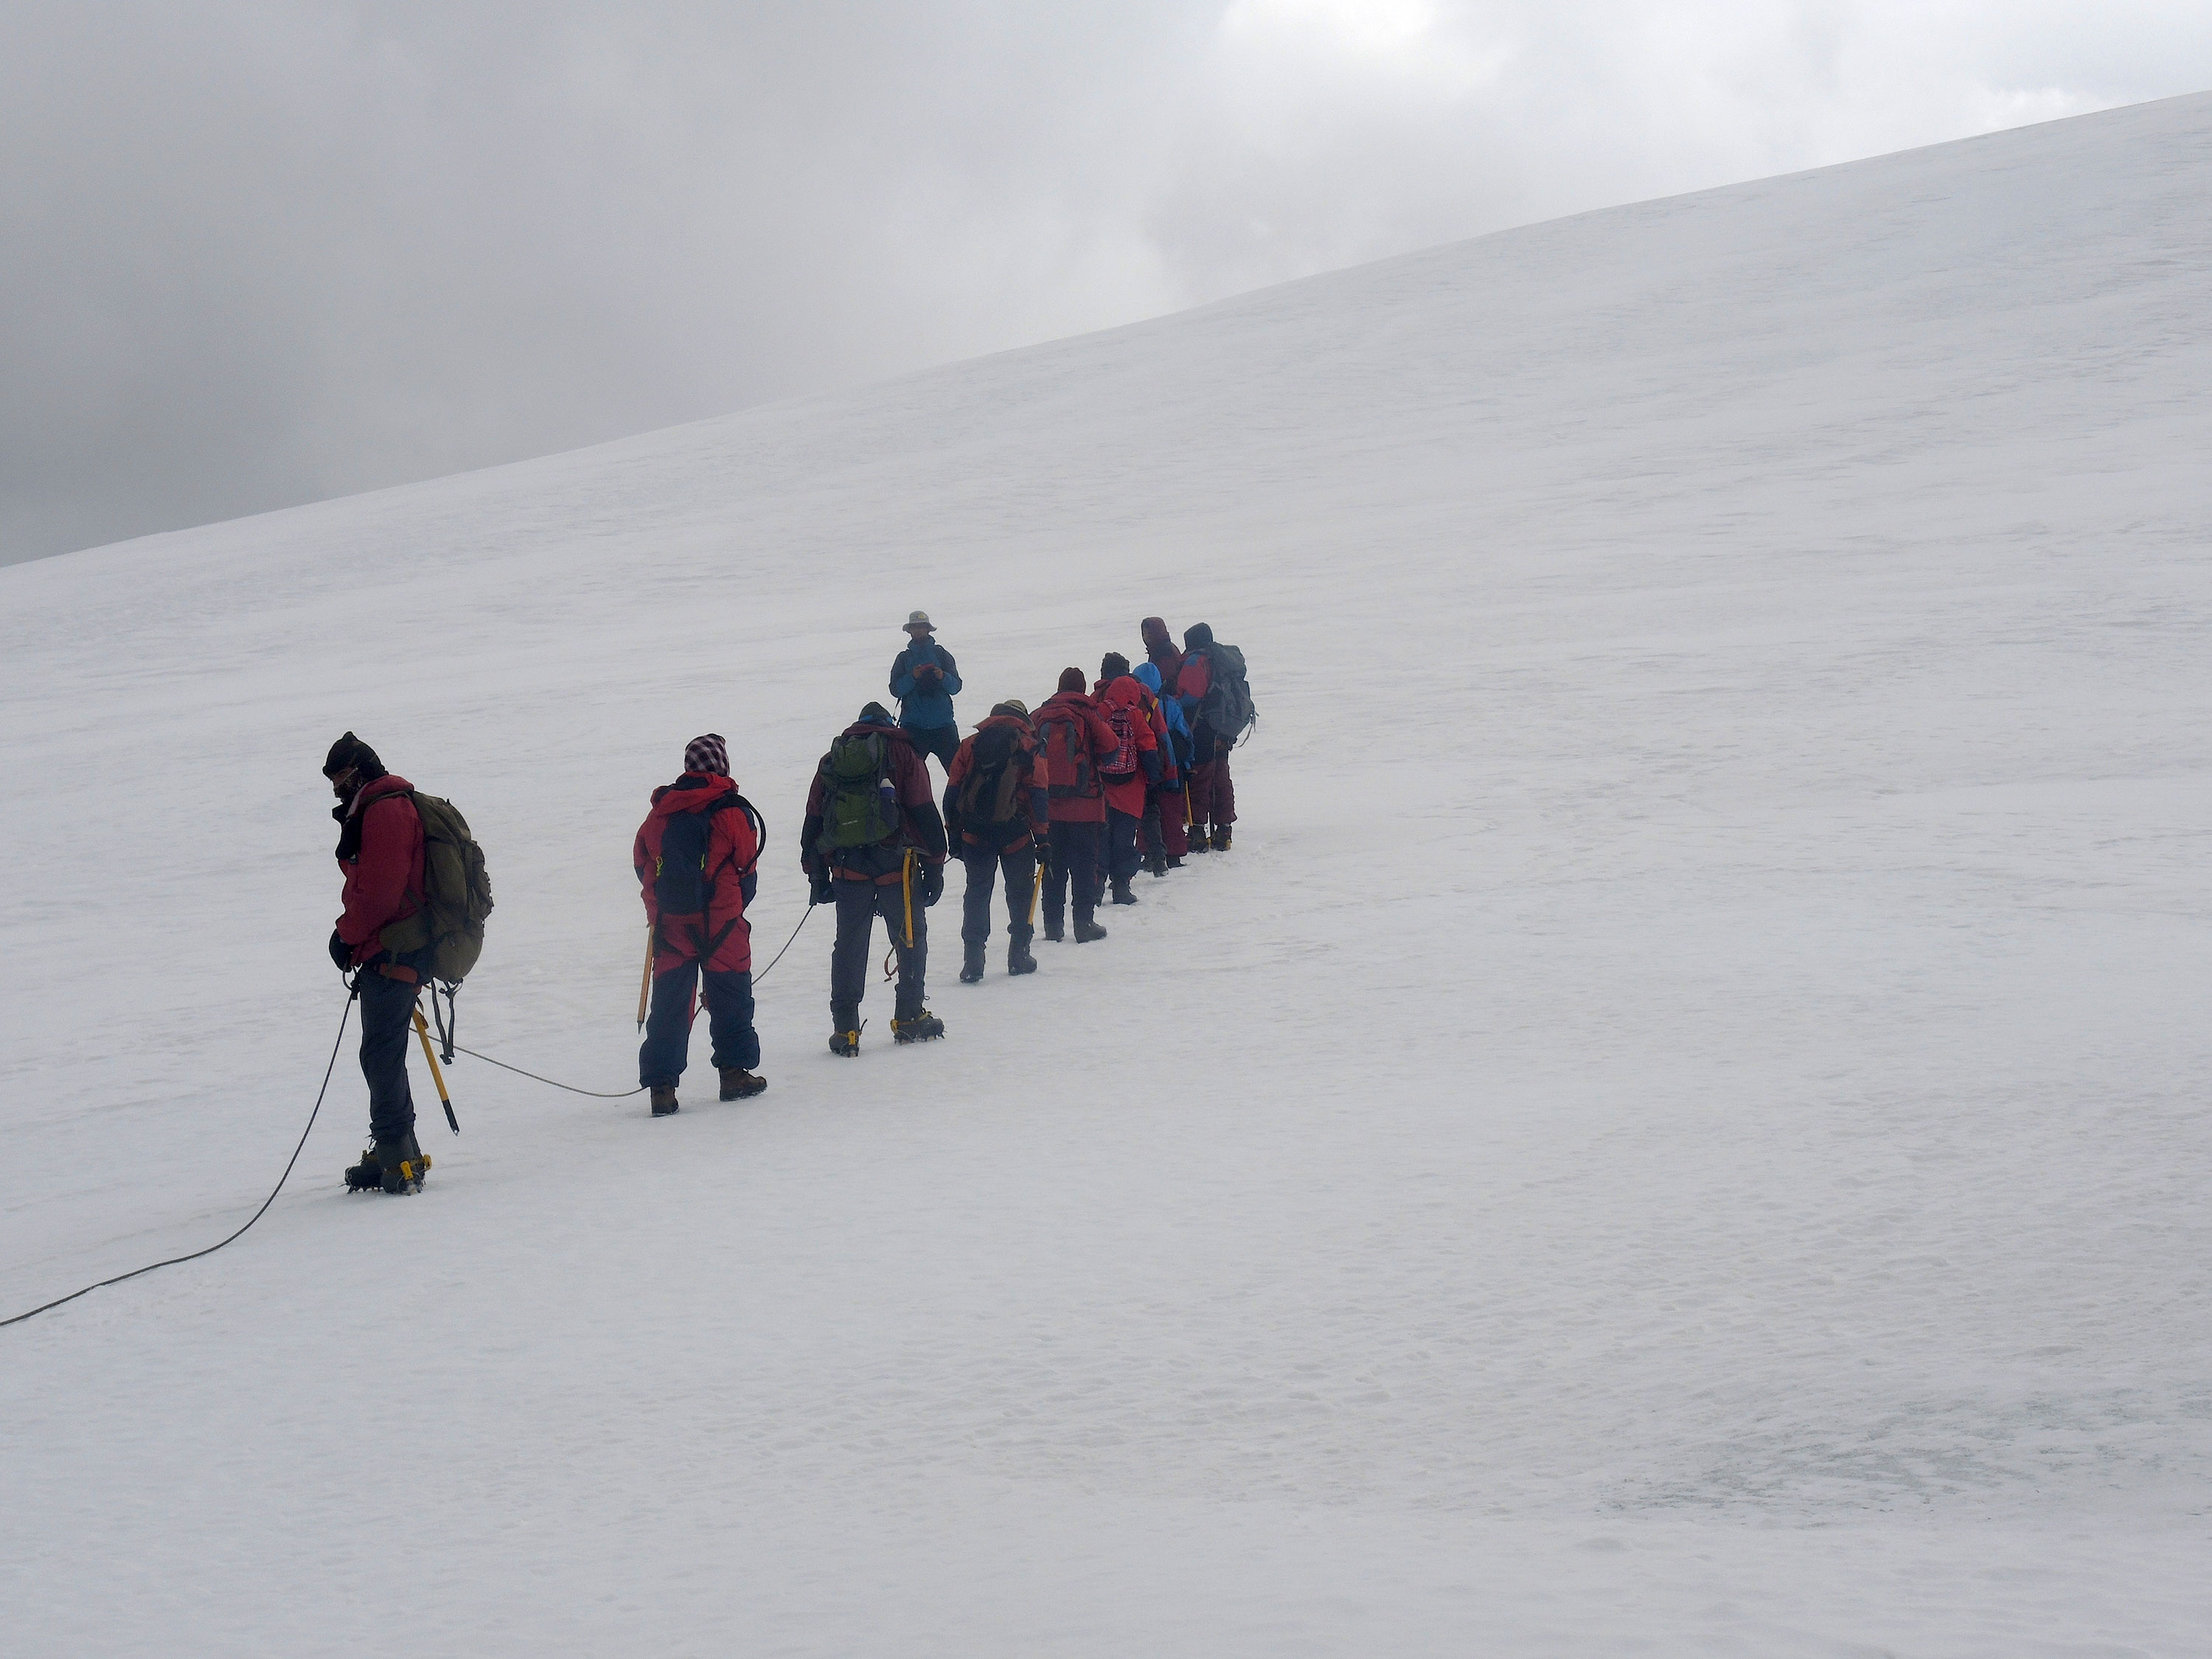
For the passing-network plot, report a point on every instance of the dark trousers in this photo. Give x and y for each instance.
(387, 1010)
(1122, 858)
(1163, 825)
(984, 866)
(1072, 861)
(859, 904)
(1212, 796)
(942, 741)
(668, 1046)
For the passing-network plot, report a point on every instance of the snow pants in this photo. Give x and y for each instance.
(1072, 862)
(1163, 825)
(668, 1046)
(985, 866)
(942, 741)
(387, 1025)
(859, 903)
(1212, 796)
(1123, 860)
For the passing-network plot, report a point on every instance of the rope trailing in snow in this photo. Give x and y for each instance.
(597, 1094)
(344, 1015)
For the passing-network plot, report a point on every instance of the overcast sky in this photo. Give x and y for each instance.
(257, 252)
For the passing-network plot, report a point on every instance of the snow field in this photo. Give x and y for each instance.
(1678, 1129)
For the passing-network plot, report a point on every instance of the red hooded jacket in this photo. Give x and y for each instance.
(380, 853)
(720, 937)
(1073, 739)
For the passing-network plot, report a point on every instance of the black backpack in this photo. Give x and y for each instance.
(1226, 707)
(682, 884)
(994, 797)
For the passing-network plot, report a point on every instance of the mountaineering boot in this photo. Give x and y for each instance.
(1156, 863)
(664, 1102)
(402, 1164)
(1221, 839)
(920, 1027)
(1018, 959)
(1198, 843)
(847, 1044)
(1174, 864)
(971, 964)
(1052, 931)
(739, 1084)
(1086, 930)
(1121, 893)
(365, 1175)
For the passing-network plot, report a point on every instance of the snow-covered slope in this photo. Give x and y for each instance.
(1681, 1128)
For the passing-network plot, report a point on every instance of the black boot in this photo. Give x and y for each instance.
(1158, 864)
(1053, 930)
(402, 1164)
(739, 1084)
(921, 1026)
(1221, 839)
(1018, 959)
(1174, 864)
(664, 1102)
(971, 964)
(1121, 893)
(1198, 840)
(845, 1039)
(367, 1175)
(1086, 930)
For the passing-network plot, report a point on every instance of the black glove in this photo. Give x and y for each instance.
(820, 893)
(341, 952)
(933, 884)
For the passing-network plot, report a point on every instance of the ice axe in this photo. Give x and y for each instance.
(422, 1030)
(645, 985)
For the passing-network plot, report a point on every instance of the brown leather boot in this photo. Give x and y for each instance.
(739, 1084)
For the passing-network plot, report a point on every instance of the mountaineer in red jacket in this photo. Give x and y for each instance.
(874, 845)
(380, 941)
(996, 811)
(695, 855)
(1073, 739)
(1126, 773)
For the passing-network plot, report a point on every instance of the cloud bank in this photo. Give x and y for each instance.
(257, 251)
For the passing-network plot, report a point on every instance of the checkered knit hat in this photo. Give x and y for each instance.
(708, 754)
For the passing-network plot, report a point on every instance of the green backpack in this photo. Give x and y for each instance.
(860, 807)
(451, 918)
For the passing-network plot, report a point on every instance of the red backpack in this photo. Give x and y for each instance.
(1119, 764)
(1066, 746)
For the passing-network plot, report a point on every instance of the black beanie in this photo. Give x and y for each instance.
(1196, 636)
(349, 750)
(1114, 667)
(1071, 679)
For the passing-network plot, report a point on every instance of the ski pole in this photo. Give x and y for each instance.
(422, 1030)
(645, 985)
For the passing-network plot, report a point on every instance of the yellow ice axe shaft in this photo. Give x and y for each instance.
(422, 1030)
(645, 985)
(906, 881)
(1037, 887)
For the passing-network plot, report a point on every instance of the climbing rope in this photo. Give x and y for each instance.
(174, 1261)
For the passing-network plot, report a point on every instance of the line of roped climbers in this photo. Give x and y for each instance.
(1055, 807)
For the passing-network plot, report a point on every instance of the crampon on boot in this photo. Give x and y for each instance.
(1197, 841)
(1121, 893)
(1086, 930)
(366, 1175)
(847, 1044)
(664, 1102)
(402, 1165)
(1221, 839)
(1018, 959)
(971, 964)
(739, 1084)
(922, 1027)
(1158, 864)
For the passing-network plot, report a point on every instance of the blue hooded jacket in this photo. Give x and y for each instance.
(925, 707)
(1148, 676)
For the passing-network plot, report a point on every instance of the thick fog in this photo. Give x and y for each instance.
(257, 252)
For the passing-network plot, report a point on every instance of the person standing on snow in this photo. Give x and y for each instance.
(1162, 652)
(924, 680)
(874, 846)
(1073, 739)
(995, 812)
(695, 856)
(380, 940)
(1212, 796)
(1164, 840)
(1127, 773)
